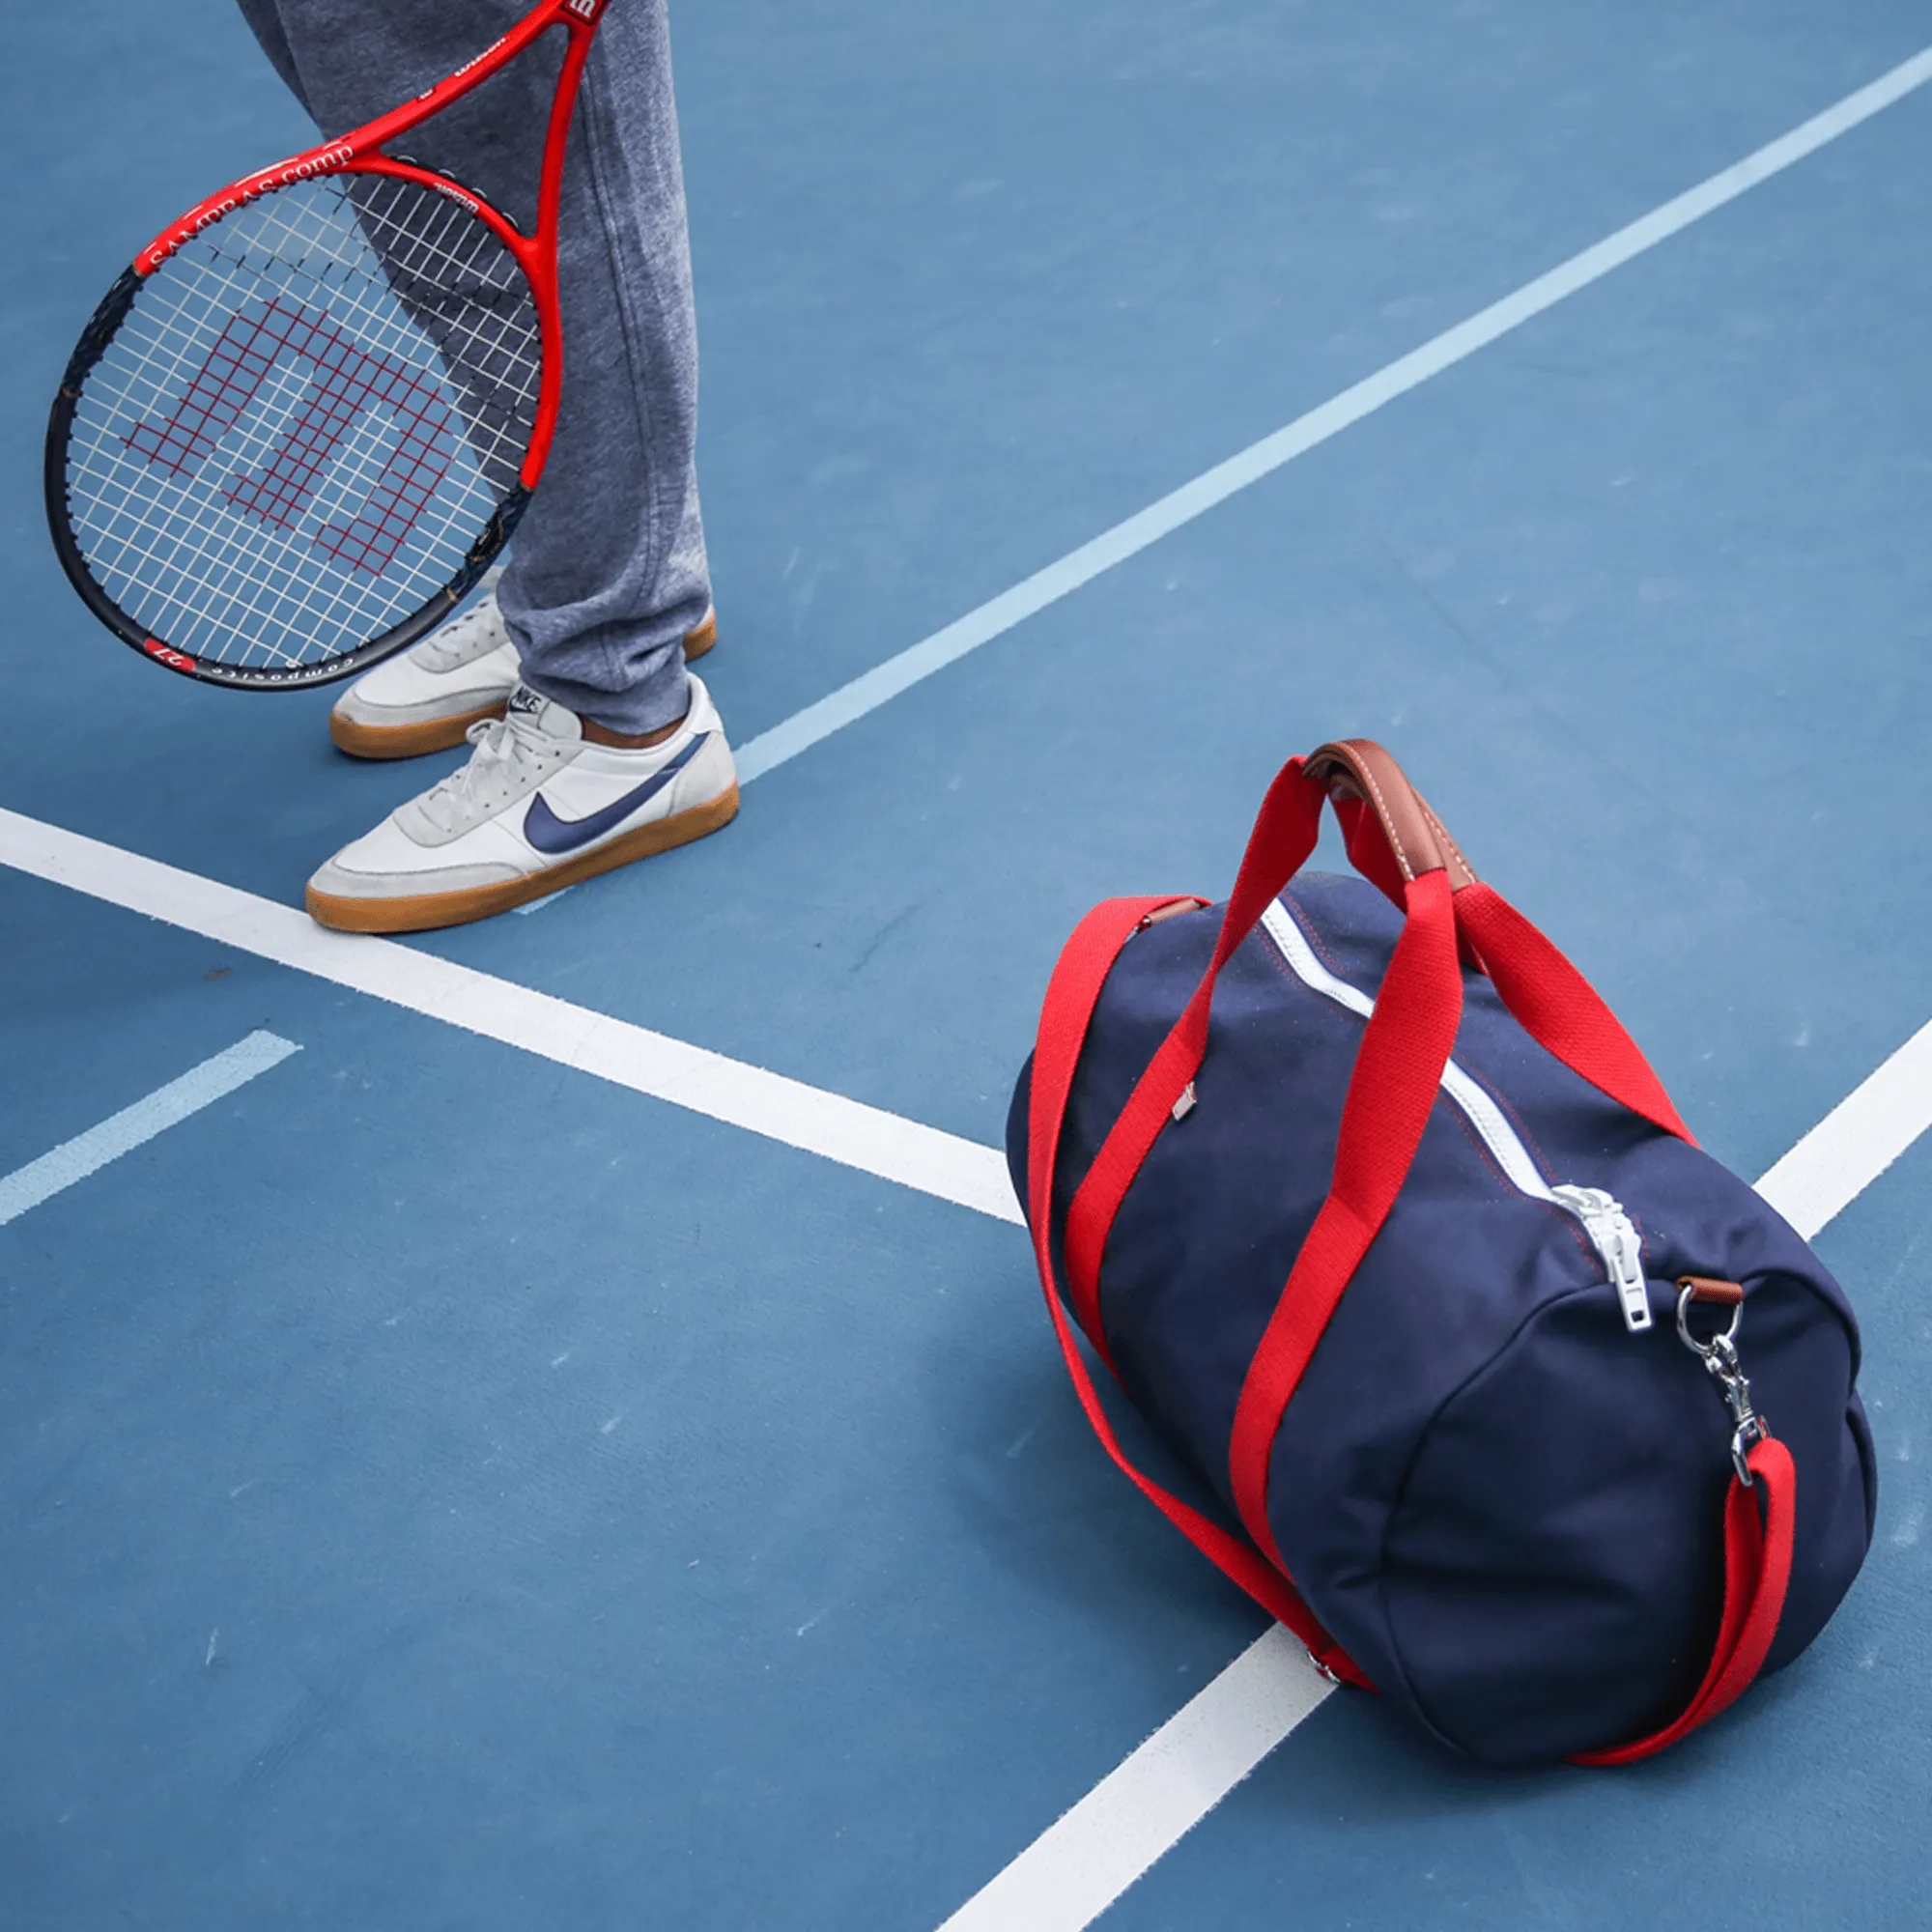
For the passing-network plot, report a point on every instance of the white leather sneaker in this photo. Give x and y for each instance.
(426, 699)
(539, 806)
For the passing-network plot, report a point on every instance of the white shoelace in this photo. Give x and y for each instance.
(512, 756)
(477, 632)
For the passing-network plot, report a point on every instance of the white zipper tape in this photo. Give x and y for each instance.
(1611, 1230)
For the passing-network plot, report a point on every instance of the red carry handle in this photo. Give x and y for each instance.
(1394, 836)
(1398, 1070)
(1400, 843)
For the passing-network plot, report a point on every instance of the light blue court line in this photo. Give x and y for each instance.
(876, 687)
(121, 1133)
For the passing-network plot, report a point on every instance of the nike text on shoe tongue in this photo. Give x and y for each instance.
(529, 712)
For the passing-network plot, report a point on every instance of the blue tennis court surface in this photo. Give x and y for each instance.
(443, 1485)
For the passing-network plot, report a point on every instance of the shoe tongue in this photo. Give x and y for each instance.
(476, 633)
(535, 713)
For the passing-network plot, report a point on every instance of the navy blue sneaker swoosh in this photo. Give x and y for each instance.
(553, 836)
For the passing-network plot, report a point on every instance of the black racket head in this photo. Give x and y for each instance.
(294, 446)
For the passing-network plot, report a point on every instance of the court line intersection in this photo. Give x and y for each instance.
(771, 1104)
(1090, 1855)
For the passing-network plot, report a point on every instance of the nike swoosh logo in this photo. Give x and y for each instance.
(553, 836)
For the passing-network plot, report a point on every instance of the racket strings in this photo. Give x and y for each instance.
(305, 421)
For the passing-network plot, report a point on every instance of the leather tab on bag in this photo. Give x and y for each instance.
(1418, 840)
(1173, 911)
(1720, 1294)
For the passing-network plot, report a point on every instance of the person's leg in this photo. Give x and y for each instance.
(608, 574)
(614, 753)
(264, 21)
(600, 603)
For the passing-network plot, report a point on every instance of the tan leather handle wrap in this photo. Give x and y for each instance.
(1360, 768)
(1721, 1293)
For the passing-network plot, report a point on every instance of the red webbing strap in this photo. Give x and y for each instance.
(1071, 999)
(1557, 1007)
(1284, 836)
(1368, 849)
(1549, 998)
(1757, 1571)
(1398, 1071)
(1072, 995)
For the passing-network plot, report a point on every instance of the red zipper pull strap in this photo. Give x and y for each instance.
(1760, 1515)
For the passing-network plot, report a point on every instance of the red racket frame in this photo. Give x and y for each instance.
(358, 153)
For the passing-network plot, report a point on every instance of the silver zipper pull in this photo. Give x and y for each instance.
(1617, 1244)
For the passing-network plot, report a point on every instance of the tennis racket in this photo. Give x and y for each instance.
(298, 427)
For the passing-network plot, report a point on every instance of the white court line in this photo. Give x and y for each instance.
(1141, 1810)
(1078, 1867)
(802, 730)
(847, 1132)
(1856, 1140)
(133, 1126)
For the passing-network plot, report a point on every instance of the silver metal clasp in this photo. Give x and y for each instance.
(1719, 1355)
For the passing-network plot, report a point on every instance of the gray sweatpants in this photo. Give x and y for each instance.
(608, 571)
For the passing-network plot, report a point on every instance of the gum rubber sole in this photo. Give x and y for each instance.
(441, 734)
(405, 741)
(424, 912)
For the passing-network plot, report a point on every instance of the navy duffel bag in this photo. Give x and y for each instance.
(1482, 1353)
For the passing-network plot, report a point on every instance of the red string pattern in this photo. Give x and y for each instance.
(347, 382)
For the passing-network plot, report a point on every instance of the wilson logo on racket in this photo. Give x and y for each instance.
(346, 383)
